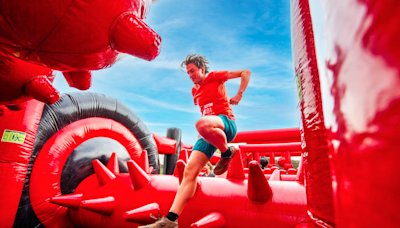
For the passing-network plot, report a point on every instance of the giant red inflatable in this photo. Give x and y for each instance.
(74, 37)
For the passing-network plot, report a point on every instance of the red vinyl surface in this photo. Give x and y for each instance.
(313, 132)
(15, 155)
(22, 81)
(165, 145)
(263, 136)
(72, 35)
(285, 208)
(362, 65)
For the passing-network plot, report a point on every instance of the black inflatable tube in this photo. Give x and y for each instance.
(171, 159)
(70, 108)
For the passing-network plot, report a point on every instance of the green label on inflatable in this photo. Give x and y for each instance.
(13, 136)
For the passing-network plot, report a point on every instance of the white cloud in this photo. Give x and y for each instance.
(157, 124)
(157, 103)
(160, 62)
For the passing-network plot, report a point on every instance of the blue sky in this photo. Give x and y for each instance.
(232, 35)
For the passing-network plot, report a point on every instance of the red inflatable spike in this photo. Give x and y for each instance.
(144, 215)
(71, 200)
(212, 220)
(276, 175)
(103, 206)
(138, 176)
(258, 188)
(300, 172)
(113, 164)
(180, 167)
(151, 168)
(144, 161)
(104, 175)
(41, 89)
(81, 79)
(128, 27)
(236, 169)
(183, 156)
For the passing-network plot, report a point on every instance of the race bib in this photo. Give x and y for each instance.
(208, 109)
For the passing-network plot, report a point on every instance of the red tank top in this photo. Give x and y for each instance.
(211, 95)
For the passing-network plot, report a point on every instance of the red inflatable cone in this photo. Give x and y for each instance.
(138, 176)
(104, 175)
(103, 206)
(71, 200)
(42, 90)
(258, 188)
(113, 164)
(180, 166)
(81, 79)
(145, 215)
(276, 175)
(183, 156)
(212, 220)
(144, 161)
(129, 27)
(236, 169)
(180, 169)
